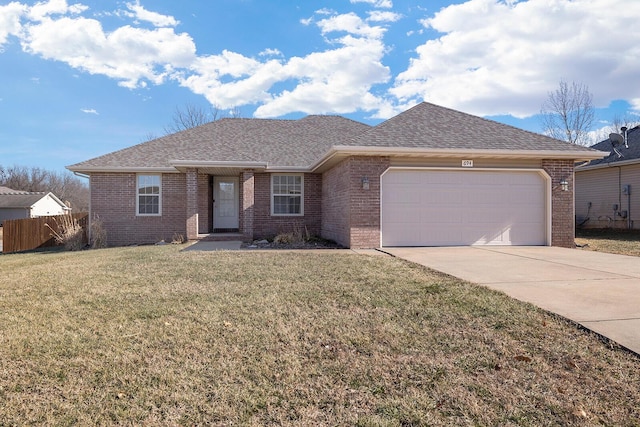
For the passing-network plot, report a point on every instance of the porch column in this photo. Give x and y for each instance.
(192, 204)
(248, 200)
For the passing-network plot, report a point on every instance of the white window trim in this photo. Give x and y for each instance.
(138, 195)
(301, 175)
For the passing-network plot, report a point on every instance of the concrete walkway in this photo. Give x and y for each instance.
(202, 245)
(600, 291)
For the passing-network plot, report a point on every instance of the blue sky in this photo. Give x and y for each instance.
(83, 79)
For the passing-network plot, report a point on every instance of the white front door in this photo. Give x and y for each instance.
(225, 202)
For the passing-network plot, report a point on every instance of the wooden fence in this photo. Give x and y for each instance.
(32, 233)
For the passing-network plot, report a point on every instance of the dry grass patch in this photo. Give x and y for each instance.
(155, 336)
(624, 242)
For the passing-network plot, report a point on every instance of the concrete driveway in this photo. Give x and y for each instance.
(600, 291)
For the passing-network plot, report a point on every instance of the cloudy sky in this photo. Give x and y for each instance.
(83, 79)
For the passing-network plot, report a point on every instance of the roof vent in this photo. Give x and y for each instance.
(623, 129)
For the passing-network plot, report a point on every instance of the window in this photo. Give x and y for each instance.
(149, 194)
(287, 194)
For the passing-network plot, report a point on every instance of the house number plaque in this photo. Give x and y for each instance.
(467, 163)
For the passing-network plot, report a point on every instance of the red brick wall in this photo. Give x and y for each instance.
(336, 222)
(205, 202)
(365, 204)
(113, 199)
(562, 209)
(351, 214)
(247, 203)
(266, 225)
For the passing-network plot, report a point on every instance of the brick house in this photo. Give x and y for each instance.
(429, 176)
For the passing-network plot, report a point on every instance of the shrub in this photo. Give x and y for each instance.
(68, 232)
(98, 234)
(178, 239)
(298, 235)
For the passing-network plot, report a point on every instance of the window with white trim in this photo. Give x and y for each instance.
(287, 194)
(149, 194)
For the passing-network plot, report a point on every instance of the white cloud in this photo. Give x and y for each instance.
(375, 3)
(155, 18)
(42, 10)
(350, 23)
(128, 54)
(336, 80)
(271, 52)
(383, 16)
(10, 15)
(89, 111)
(497, 57)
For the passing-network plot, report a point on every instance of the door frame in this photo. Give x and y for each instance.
(214, 194)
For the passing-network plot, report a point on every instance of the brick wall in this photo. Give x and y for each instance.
(351, 214)
(205, 203)
(336, 222)
(113, 199)
(365, 204)
(562, 218)
(266, 225)
(247, 204)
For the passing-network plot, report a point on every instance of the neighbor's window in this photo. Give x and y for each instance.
(287, 194)
(149, 194)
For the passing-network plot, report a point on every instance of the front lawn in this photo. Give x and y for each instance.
(155, 336)
(614, 241)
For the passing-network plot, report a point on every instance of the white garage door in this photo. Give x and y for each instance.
(460, 208)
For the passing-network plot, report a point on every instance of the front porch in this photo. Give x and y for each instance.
(220, 203)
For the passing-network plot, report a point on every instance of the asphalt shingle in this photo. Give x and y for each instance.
(431, 126)
(624, 153)
(301, 143)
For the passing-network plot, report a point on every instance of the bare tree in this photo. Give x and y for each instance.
(616, 125)
(568, 113)
(189, 117)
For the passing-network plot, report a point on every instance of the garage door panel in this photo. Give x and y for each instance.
(441, 216)
(447, 208)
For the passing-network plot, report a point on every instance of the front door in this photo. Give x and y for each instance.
(225, 203)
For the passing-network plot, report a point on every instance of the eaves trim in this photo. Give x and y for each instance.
(341, 150)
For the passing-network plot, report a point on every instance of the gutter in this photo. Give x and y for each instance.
(457, 153)
(607, 165)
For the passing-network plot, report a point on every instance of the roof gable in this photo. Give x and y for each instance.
(431, 126)
(20, 200)
(25, 199)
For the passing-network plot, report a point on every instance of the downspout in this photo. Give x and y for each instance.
(89, 225)
(629, 224)
(616, 214)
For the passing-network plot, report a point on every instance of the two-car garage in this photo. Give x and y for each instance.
(460, 207)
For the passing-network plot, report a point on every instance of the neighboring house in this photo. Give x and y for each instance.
(23, 204)
(429, 176)
(608, 189)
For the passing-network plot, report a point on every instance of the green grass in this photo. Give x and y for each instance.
(155, 336)
(623, 242)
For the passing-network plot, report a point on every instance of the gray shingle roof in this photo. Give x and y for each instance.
(4, 190)
(624, 154)
(276, 142)
(302, 143)
(431, 126)
(19, 200)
